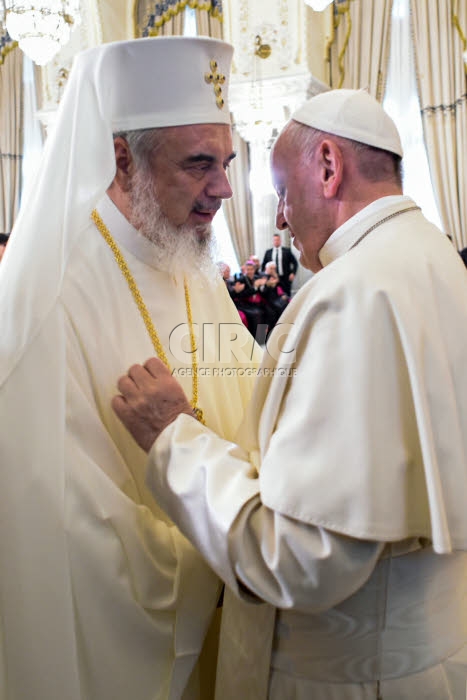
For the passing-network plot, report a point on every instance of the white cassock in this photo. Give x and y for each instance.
(343, 503)
(102, 598)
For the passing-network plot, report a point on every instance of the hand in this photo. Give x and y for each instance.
(291, 277)
(150, 399)
(238, 287)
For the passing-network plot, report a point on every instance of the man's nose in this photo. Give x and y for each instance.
(219, 185)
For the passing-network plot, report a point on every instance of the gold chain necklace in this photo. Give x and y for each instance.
(383, 221)
(121, 262)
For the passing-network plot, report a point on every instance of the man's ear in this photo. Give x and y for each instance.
(332, 167)
(124, 162)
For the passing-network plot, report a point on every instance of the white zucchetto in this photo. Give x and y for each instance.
(351, 114)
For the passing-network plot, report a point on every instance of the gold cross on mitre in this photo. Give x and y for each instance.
(217, 79)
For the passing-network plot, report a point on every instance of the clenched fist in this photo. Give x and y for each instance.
(150, 399)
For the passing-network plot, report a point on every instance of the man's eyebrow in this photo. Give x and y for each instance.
(206, 158)
(200, 158)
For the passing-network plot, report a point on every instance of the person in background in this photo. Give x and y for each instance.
(286, 262)
(341, 504)
(463, 254)
(273, 295)
(101, 596)
(233, 287)
(3, 242)
(224, 269)
(255, 259)
(246, 296)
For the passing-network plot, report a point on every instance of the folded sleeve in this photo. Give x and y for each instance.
(209, 487)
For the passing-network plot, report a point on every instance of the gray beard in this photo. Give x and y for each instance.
(186, 250)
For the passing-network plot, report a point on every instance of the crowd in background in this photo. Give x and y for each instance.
(260, 293)
(257, 294)
(262, 290)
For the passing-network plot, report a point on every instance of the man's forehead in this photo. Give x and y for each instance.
(211, 141)
(279, 152)
(199, 137)
(197, 131)
(285, 156)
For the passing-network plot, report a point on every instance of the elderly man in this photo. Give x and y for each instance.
(101, 596)
(343, 503)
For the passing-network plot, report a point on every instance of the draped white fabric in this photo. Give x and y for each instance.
(443, 97)
(11, 126)
(353, 444)
(360, 46)
(238, 209)
(208, 22)
(156, 18)
(402, 103)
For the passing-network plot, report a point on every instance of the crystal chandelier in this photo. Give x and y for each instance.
(41, 27)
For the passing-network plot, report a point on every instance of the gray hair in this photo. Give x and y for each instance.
(374, 164)
(143, 143)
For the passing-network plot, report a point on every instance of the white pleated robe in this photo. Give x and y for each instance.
(342, 502)
(101, 596)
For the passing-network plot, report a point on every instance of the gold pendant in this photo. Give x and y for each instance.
(199, 414)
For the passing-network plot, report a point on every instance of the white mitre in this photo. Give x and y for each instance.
(137, 84)
(167, 81)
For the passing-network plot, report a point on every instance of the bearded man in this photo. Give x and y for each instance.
(101, 596)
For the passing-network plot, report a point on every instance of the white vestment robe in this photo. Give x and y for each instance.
(342, 501)
(102, 598)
